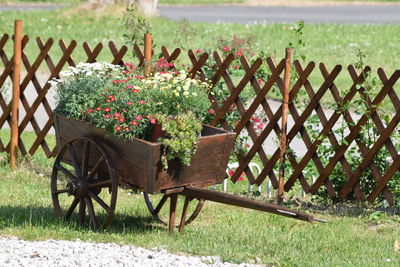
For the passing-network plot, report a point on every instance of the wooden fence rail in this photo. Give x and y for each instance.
(325, 167)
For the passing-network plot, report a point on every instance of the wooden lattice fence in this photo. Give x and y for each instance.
(298, 168)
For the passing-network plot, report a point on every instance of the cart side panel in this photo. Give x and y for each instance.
(135, 160)
(208, 165)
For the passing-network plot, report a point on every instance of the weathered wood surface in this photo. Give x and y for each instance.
(138, 164)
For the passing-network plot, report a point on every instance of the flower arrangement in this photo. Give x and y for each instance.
(125, 104)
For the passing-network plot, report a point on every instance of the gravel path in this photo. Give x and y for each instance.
(15, 252)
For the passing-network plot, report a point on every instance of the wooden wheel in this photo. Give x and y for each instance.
(82, 175)
(167, 217)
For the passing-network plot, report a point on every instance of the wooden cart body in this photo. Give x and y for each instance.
(137, 162)
(105, 162)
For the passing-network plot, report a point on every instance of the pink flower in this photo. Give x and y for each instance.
(139, 77)
(129, 87)
(230, 172)
(239, 54)
(241, 178)
(129, 65)
(107, 109)
(211, 111)
(121, 119)
(117, 115)
(118, 128)
(226, 49)
(135, 91)
(116, 81)
(153, 121)
(142, 102)
(129, 103)
(124, 80)
(107, 116)
(255, 119)
(98, 108)
(260, 126)
(134, 123)
(139, 117)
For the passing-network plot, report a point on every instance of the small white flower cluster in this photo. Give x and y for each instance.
(86, 69)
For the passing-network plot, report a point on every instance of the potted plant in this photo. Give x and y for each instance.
(126, 104)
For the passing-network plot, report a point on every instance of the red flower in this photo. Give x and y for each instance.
(90, 110)
(153, 121)
(236, 67)
(129, 65)
(129, 87)
(117, 115)
(134, 123)
(255, 119)
(127, 129)
(121, 119)
(260, 126)
(230, 172)
(241, 178)
(211, 111)
(239, 54)
(116, 81)
(124, 80)
(139, 77)
(118, 128)
(226, 49)
(135, 91)
(129, 103)
(198, 51)
(98, 108)
(107, 116)
(107, 109)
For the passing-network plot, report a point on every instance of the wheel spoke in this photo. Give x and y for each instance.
(71, 177)
(74, 160)
(61, 191)
(100, 201)
(85, 158)
(92, 214)
(82, 210)
(71, 209)
(101, 184)
(95, 168)
(160, 204)
(196, 212)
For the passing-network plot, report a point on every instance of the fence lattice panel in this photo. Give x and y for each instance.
(315, 162)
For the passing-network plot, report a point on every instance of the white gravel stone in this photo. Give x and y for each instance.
(15, 252)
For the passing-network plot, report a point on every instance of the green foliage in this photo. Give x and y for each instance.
(135, 26)
(182, 136)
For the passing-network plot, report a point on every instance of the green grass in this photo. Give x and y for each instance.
(350, 238)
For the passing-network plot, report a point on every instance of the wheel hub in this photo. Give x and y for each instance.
(79, 189)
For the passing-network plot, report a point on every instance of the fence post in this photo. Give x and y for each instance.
(285, 109)
(147, 54)
(16, 93)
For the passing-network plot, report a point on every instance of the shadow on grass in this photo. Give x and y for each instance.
(40, 216)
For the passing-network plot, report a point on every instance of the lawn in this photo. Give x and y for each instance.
(352, 237)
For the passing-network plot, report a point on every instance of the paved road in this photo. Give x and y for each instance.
(358, 14)
(375, 14)
(30, 7)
